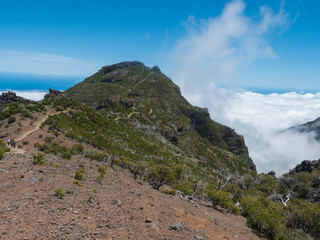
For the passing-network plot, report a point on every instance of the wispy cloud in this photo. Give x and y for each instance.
(214, 48)
(212, 51)
(42, 63)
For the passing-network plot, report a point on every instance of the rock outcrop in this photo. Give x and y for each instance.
(10, 97)
(53, 93)
(307, 166)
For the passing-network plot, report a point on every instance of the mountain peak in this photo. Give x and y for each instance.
(133, 88)
(110, 68)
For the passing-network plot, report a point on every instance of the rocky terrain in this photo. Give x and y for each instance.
(114, 207)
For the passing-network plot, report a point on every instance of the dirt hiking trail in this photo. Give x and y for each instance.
(37, 125)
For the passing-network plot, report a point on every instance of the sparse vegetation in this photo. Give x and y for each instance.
(3, 149)
(38, 159)
(102, 171)
(11, 120)
(77, 183)
(79, 175)
(59, 193)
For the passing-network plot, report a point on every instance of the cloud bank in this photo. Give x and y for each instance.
(260, 118)
(212, 51)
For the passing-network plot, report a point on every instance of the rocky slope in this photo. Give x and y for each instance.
(115, 206)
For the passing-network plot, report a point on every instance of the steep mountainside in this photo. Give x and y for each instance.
(312, 126)
(146, 91)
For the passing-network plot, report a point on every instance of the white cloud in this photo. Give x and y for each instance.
(42, 63)
(261, 117)
(32, 95)
(214, 48)
(212, 51)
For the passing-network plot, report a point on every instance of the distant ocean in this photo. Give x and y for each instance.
(36, 86)
(24, 82)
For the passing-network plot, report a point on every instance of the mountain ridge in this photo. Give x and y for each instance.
(147, 89)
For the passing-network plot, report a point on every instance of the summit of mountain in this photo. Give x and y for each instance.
(134, 87)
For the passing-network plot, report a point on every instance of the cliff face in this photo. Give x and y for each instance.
(145, 90)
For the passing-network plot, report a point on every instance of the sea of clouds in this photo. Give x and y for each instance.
(261, 119)
(214, 50)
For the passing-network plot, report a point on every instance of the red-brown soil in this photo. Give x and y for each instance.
(120, 208)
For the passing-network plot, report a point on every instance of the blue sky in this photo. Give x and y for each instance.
(78, 37)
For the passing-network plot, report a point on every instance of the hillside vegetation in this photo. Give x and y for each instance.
(134, 117)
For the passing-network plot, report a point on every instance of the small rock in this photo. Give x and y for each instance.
(198, 237)
(216, 221)
(11, 185)
(148, 220)
(176, 226)
(116, 202)
(34, 179)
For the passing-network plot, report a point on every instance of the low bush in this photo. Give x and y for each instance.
(11, 120)
(77, 183)
(79, 175)
(3, 149)
(59, 193)
(223, 199)
(38, 159)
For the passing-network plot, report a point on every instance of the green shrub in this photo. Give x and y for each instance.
(38, 159)
(167, 191)
(48, 139)
(77, 183)
(59, 193)
(97, 156)
(66, 155)
(77, 149)
(11, 120)
(25, 143)
(159, 174)
(223, 199)
(3, 149)
(265, 216)
(301, 214)
(102, 170)
(79, 175)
